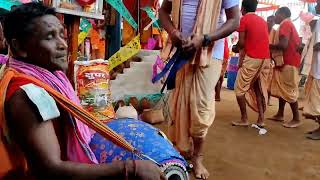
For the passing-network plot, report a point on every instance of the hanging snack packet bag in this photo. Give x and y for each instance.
(92, 81)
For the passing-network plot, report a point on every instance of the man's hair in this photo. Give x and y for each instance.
(18, 22)
(285, 11)
(250, 5)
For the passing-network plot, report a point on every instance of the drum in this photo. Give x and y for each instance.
(148, 140)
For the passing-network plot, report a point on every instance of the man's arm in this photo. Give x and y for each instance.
(164, 16)
(241, 42)
(226, 29)
(229, 26)
(39, 142)
(239, 47)
(166, 22)
(282, 45)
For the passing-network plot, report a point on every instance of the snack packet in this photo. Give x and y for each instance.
(92, 81)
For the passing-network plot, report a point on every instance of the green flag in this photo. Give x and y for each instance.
(151, 15)
(85, 25)
(123, 11)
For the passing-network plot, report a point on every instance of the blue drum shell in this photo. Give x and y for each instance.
(142, 136)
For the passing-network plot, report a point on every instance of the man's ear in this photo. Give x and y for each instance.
(18, 48)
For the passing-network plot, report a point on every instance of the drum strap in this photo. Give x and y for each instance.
(74, 109)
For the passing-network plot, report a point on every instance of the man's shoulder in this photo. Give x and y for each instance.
(20, 99)
(37, 99)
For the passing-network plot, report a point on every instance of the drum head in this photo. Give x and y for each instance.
(175, 173)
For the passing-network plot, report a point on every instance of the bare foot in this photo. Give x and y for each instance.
(217, 97)
(199, 170)
(240, 123)
(292, 124)
(276, 118)
(315, 135)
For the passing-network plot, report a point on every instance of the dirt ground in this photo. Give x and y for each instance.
(237, 153)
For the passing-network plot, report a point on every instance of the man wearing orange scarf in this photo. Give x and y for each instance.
(193, 31)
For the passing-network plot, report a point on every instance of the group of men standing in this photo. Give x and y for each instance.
(269, 65)
(258, 44)
(258, 77)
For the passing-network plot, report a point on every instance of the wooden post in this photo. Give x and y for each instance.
(113, 31)
(73, 23)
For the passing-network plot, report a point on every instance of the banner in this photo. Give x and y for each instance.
(157, 65)
(151, 15)
(85, 27)
(126, 52)
(81, 37)
(269, 8)
(6, 4)
(310, 1)
(123, 11)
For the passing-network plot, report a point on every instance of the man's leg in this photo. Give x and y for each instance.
(280, 114)
(218, 89)
(259, 97)
(197, 160)
(202, 107)
(246, 77)
(243, 109)
(295, 122)
(269, 98)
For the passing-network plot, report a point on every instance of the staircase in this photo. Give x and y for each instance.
(136, 80)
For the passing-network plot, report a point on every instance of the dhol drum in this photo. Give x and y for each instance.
(148, 140)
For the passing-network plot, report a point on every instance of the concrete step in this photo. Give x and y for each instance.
(137, 78)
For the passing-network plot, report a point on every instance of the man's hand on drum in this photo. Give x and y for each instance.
(147, 170)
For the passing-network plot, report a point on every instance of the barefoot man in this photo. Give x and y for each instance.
(253, 63)
(311, 109)
(285, 79)
(193, 29)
